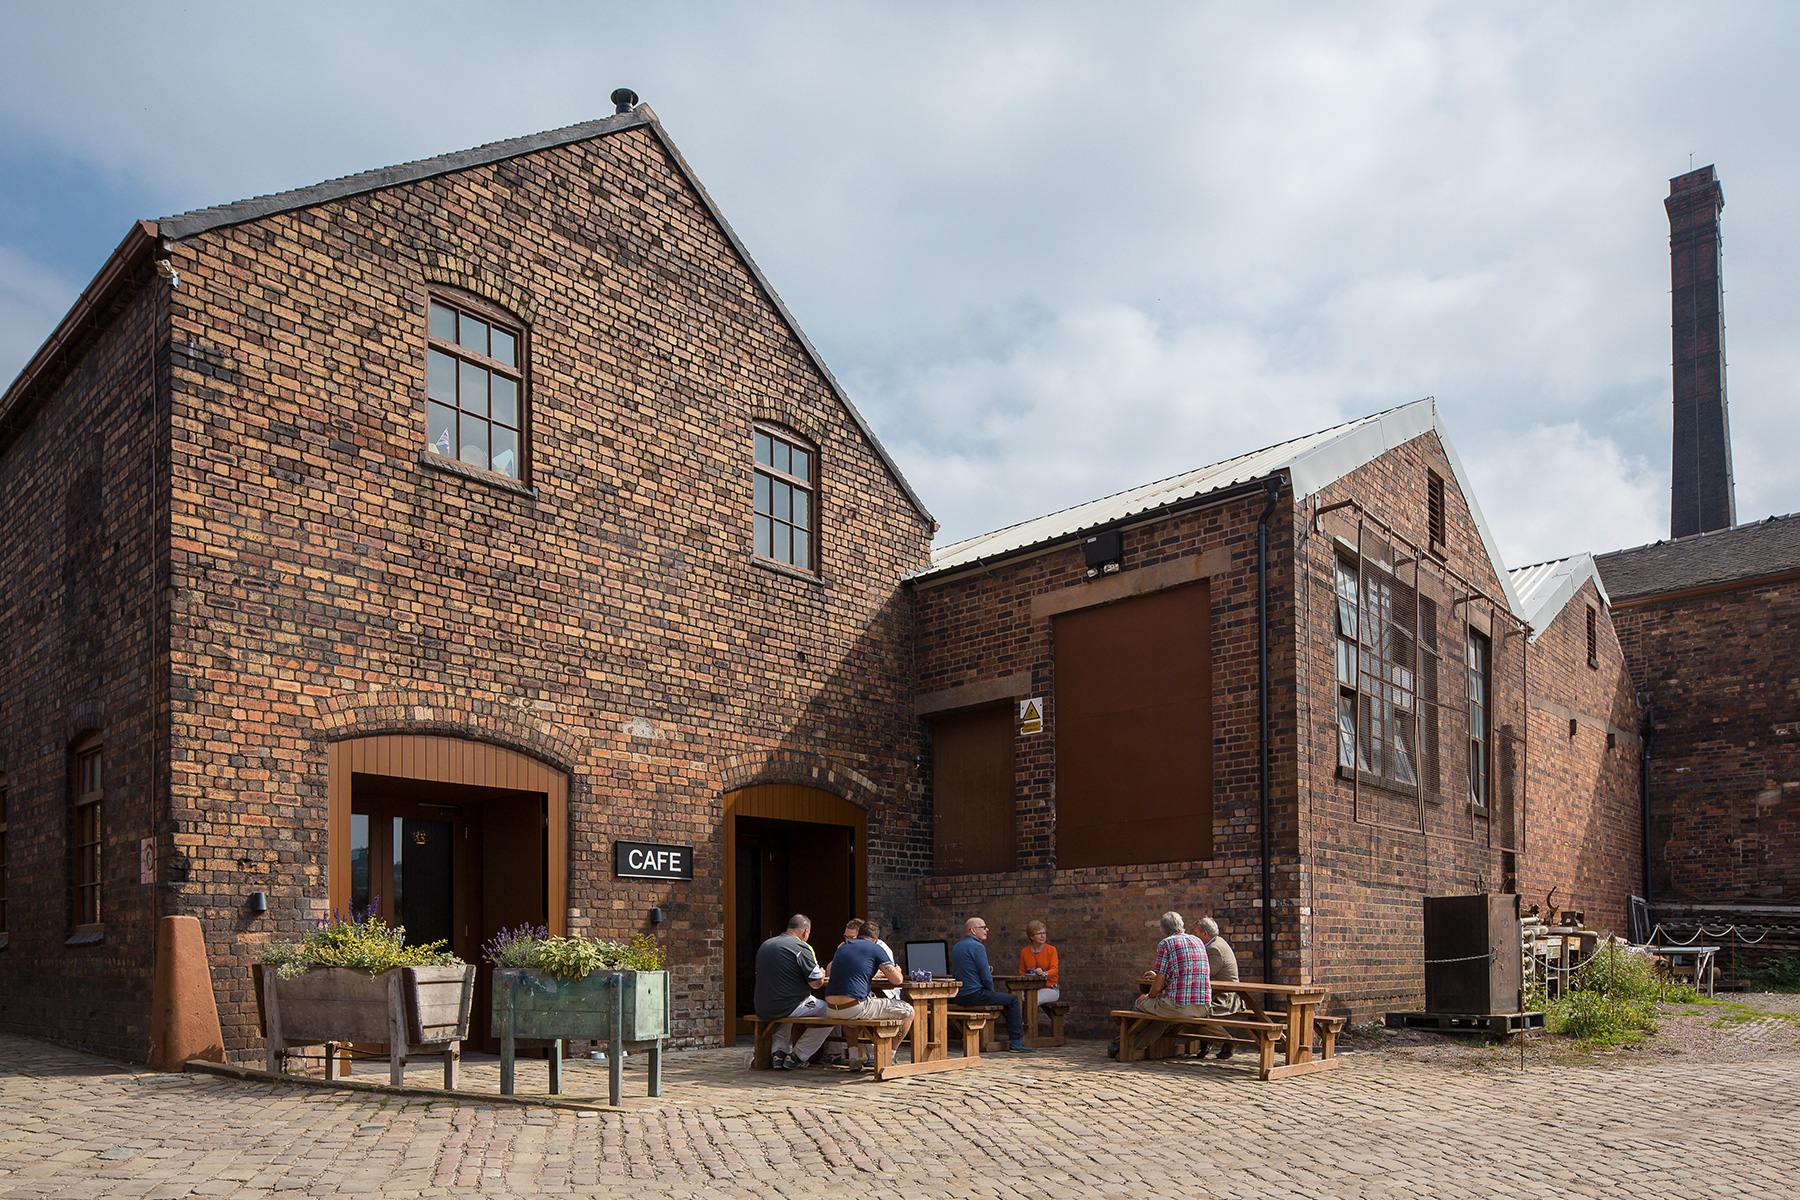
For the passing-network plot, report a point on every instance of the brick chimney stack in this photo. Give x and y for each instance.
(1700, 493)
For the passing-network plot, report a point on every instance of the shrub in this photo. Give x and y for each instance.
(362, 943)
(1601, 1019)
(571, 957)
(1612, 997)
(1776, 974)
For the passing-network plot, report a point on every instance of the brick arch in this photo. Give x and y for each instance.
(792, 415)
(800, 767)
(87, 717)
(473, 717)
(437, 265)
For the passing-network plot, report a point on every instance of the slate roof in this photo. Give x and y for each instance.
(1761, 548)
(1312, 463)
(1546, 588)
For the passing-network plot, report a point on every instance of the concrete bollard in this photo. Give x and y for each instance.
(184, 1017)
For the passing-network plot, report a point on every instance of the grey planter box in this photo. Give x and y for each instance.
(413, 1010)
(625, 1009)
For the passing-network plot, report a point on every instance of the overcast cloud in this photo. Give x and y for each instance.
(1057, 250)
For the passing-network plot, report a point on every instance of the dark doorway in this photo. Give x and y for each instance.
(451, 862)
(785, 867)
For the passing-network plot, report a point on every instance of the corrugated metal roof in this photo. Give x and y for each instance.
(1312, 463)
(1545, 588)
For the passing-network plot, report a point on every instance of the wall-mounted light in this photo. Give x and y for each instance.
(656, 916)
(258, 903)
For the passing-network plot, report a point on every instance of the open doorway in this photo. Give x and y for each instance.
(788, 849)
(455, 840)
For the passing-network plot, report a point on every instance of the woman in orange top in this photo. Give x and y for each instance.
(1039, 958)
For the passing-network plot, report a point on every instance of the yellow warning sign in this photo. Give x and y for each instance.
(1031, 715)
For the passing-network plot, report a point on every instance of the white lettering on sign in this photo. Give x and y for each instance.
(657, 862)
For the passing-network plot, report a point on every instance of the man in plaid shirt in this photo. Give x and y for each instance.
(1181, 984)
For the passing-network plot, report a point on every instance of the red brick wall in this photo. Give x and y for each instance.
(1369, 857)
(1103, 920)
(328, 584)
(1721, 672)
(80, 615)
(1584, 818)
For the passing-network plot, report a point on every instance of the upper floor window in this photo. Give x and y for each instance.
(475, 386)
(1434, 511)
(1480, 664)
(786, 493)
(89, 794)
(1593, 638)
(1377, 673)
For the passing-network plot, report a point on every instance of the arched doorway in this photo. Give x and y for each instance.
(788, 849)
(455, 839)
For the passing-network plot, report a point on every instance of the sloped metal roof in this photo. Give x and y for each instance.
(1312, 463)
(1546, 588)
(1750, 551)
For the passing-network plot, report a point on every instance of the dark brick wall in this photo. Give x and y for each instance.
(979, 627)
(80, 619)
(326, 583)
(1584, 817)
(1721, 673)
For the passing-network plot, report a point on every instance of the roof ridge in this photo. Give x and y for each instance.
(1691, 538)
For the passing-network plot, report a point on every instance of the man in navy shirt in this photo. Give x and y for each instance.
(847, 993)
(969, 963)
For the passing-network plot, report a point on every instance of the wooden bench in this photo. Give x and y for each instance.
(976, 1026)
(1182, 1035)
(990, 1033)
(883, 1033)
(1057, 1011)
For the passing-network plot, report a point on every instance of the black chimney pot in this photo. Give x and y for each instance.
(623, 99)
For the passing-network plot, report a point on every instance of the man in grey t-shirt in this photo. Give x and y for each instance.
(788, 977)
(1222, 961)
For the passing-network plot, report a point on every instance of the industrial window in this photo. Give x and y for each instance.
(1377, 664)
(3, 926)
(89, 793)
(972, 809)
(475, 386)
(1480, 659)
(787, 480)
(1434, 510)
(1134, 730)
(1593, 638)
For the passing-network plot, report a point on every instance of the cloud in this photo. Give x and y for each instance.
(1553, 490)
(33, 298)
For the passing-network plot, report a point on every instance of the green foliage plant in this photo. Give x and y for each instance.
(1612, 998)
(571, 957)
(360, 942)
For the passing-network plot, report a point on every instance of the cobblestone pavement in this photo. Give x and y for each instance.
(1058, 1123)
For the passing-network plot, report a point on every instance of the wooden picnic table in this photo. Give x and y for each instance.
(1026, 988)
(1294, 1028)
(931, 1028)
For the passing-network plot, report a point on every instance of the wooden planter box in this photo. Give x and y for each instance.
(412, 1010)
(628, 1010)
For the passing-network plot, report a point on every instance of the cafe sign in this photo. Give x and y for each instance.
(646, 860)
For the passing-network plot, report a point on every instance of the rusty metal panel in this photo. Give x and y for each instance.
(1133, 713)
(974, 829)
(1472, 962)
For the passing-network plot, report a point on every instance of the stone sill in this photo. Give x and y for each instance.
(451, 466)
(87, 937)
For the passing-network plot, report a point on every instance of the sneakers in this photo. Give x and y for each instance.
(783, 1061)
(1225, 1050)
(1020, 1046)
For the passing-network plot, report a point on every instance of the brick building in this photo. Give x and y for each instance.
(1584, 828)
(1393, 638)
(1710, 624)
(416, 538)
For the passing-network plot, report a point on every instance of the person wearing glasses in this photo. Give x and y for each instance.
(969, 963)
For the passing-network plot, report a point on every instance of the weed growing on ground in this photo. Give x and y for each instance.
(1613, 997)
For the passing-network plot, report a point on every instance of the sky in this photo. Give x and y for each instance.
(1054, 250)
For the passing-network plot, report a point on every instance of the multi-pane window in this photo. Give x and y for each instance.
(2, 855)
(1377, 663)
(475, 387)
(89, 792)
(1480, 663)
(786, 494)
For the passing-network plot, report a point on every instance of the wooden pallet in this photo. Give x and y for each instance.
(1489, 1023)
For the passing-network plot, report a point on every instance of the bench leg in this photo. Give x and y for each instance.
(971, 1040)
(1265, 1046)
(1328, 1040)
(884, 1053)
(763, 1057)
(1056, 1025)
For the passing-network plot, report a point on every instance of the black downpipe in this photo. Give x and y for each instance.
(1647, 737)
(1262, 656)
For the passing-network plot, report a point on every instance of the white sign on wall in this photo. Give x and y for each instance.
(1031, 715)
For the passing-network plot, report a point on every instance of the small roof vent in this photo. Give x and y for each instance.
(623, 99)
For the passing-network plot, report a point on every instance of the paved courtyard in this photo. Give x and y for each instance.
(1057, 1123)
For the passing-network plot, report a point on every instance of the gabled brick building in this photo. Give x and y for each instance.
(417, 538)
(1397, 732)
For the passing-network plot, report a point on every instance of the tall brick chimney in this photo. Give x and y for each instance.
(1700, 493)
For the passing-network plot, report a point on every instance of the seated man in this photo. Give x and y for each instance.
(1180, 983)
(1222, 967)
(852, 968)
(787, 975)
(969, 963)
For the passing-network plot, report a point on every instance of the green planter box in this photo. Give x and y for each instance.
(624, 1009)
